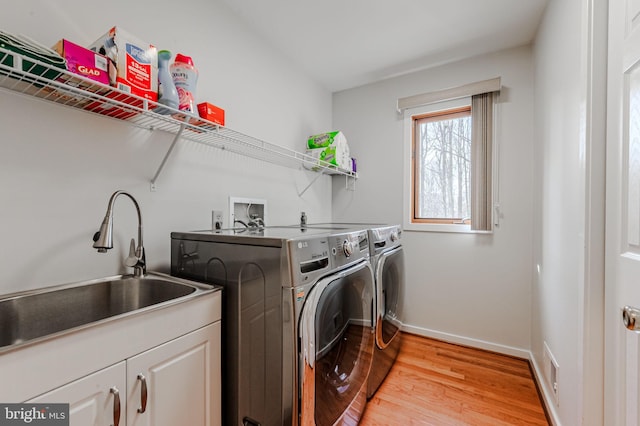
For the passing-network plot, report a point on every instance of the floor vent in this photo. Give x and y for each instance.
(551, 372)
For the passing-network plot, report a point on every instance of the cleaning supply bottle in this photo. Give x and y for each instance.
(167, 93)
(185, 78)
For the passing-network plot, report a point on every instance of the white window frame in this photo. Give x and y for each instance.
(409, 115)
(436, 101)
(408, 124)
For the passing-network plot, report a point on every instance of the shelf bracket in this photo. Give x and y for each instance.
(300, 194)
(166, 156)
(349, 183)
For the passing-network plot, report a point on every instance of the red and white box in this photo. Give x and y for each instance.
(211, 113)
(134, 62)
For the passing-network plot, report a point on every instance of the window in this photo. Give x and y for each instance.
(449, 162)
(441, 165)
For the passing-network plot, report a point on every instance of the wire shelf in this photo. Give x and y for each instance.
(37, 78)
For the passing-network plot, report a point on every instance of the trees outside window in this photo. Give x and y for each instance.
(442, 166)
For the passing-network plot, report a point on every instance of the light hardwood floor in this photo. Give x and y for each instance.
(436, 383)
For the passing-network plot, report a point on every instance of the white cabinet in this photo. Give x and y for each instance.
(177, 383)
(92, 399)
(182, 380)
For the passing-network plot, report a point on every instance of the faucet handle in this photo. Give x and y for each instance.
(132, 259)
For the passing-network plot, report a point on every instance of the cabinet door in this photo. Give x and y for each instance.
(182, 381)
(93, 400)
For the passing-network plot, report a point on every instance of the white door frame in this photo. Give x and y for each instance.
(594, 65)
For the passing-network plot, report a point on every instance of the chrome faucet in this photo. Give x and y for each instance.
(103, 239)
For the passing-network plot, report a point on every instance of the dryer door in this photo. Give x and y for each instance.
(336, 337)
(389, 290)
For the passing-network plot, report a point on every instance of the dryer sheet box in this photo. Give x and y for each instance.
(211, 112)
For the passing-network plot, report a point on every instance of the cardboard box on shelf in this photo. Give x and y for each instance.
(80, 62)
(84, 62)
(134, 62)
(211, 112)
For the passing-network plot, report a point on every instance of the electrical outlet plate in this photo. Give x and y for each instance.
(246, 210)
(217, 219)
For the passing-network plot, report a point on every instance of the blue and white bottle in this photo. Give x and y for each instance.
(167, 93)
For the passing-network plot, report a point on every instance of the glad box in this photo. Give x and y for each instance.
(134, 62)
(83, 61)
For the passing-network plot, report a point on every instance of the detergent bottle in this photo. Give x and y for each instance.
(167, 92)
(185, 78)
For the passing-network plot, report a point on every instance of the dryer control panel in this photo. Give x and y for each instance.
(348, 247)
(310, 258)
(385, 238)
(315, 256)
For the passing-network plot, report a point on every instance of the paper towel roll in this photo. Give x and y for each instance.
(324, 140)
(337, 156)
(331, 147)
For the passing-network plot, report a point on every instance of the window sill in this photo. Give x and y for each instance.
(442, 227)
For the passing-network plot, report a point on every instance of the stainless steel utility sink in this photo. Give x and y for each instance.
(33, 315)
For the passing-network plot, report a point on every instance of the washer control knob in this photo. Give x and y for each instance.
(394, 236)
(347, 247)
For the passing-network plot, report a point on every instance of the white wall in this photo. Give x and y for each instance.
(474, 289)
(569, 198)
(59, 166)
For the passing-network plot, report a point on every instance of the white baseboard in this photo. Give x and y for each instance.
(547, 397)
(466, 341)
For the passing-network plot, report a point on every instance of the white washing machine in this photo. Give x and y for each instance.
(298, 326)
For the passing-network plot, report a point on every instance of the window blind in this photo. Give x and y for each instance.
(481, 160)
